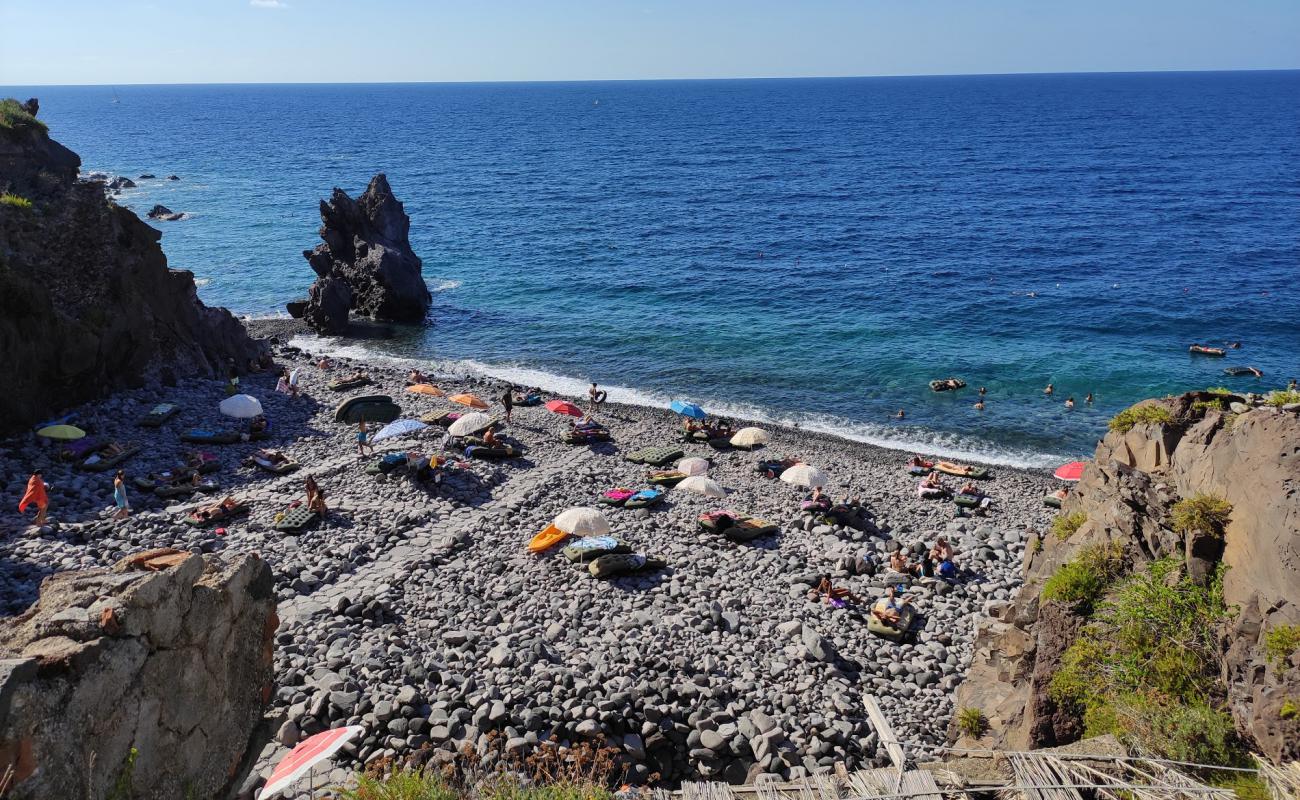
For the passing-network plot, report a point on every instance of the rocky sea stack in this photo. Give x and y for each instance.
(365, 265)
(87, 302)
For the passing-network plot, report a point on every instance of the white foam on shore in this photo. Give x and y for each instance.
(447, 286)
(904, 438)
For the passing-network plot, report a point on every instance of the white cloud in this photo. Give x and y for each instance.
(268, 4)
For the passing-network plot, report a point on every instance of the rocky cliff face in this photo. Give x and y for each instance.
(365, 265)
(167, 656)
(87, 302)
(1249, 456)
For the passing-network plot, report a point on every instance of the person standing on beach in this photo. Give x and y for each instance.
(363, 437)
(119, 496)
(508, 400)
(36, 495)
(596, 396)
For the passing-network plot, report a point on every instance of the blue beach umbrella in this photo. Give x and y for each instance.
(687, 409)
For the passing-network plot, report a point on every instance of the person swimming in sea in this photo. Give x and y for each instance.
(1088, 399)
(979, 405)
(900, 414)
(1049, 390)
(1069, 403)
(983, 391)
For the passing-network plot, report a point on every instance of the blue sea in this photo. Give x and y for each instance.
(808, 251)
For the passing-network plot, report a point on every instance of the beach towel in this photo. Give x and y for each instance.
(35, 494)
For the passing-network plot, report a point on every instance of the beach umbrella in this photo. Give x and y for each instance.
(750, 437)
(307, 754)
(426, 388)
(468, 400)
(582, 521)
(398, 427)
(241, 406)
(469, 423)
(61, 433)
(805, 475)
(1070, 472)
(702, 485)
(687, 409)
(563, 407)
(693, 466)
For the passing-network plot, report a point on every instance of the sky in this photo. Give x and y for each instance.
(120, 42)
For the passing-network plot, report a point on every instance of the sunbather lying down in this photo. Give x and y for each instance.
(272, 456)
(889, 609)
(225, 505)
(831, 595)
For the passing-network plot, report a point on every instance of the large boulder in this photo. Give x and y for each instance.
(367, 250)
(88, 305)
(142, 680)
(1127, 493)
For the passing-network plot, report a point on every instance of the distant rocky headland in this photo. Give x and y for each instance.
(88, 304)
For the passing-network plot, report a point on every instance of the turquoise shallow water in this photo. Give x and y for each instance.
(812, 251)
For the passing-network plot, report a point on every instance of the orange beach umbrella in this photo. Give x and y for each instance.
(426, 388)
(468, 400)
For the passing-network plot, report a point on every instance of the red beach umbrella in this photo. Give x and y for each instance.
(1070, 472)
(563, 407)
(307, 754)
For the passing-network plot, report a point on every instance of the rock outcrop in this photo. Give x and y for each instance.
(87, 303)
(164, 213)
(1251, 458)
(149, 676)
(365, 264)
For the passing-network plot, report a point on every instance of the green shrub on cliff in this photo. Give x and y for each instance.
(1279, 398)
(1064, 526)
(972, 722)
(15, 201)
(1281, 642)
(1145, 665)
(14, 119)
(1203, 512)
(408, 784)
(1084, 579)
(1217, 404)
(1150, 414)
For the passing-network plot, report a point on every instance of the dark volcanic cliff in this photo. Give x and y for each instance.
(87, 302)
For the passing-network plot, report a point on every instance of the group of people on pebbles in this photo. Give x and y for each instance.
(416, 608)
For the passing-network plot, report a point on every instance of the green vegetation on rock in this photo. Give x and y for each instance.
(1064, 526)
(1217, 404)
(1280, 643)
(1141, 414)
(1083, 580)
(972, 722)
(15, 201)
(1144, 668)
(1280, 398)
(1202, 512)
(15, 120)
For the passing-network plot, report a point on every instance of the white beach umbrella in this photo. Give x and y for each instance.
(702, 485)
(582, 521)
(750, 437)
(693, 466)
(241, 406)
(307, 754)
(399, 427)
(805, 475)
(469, 423)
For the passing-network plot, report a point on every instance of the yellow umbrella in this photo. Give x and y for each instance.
(62, 433)
(468, 400)
(426, 388)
